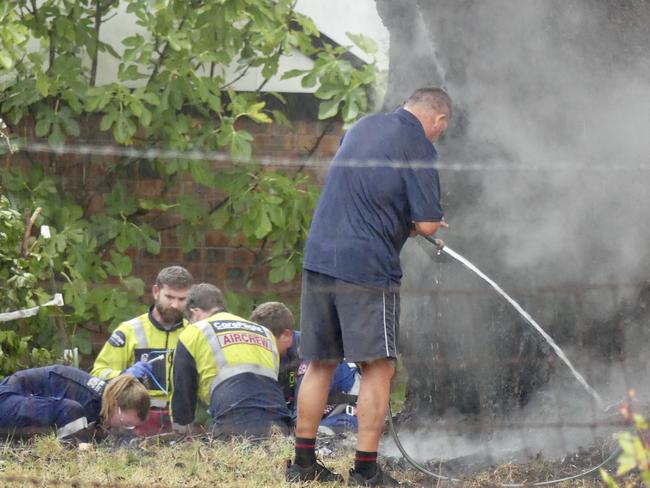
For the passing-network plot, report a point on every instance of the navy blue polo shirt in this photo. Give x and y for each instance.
(381, 179)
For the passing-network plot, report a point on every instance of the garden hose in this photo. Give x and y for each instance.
(439, 244)
(440, 477)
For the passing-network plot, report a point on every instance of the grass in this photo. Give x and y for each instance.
(238, 463)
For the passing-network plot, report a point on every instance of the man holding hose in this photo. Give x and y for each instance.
(381, 188)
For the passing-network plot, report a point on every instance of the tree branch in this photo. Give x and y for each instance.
(163, 54)
(29, 223)
(258, 263)
(98, 23)
(314, 148)
(236, 79)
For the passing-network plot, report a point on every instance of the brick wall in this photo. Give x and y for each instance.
(218, 259)
(224, 261)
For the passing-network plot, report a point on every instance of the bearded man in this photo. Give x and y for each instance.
(144, 345)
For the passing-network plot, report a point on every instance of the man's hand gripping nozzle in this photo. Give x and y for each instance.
(439, 243)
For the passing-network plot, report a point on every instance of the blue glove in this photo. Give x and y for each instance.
(140, 370)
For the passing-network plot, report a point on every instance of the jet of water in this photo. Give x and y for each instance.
(528, 318)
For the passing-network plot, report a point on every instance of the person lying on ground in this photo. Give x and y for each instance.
(230, 364)
(143, 346)
(340, 412)
(78, 405)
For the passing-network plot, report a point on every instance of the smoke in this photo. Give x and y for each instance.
(558, 420)
(554, 87)
(553, 102)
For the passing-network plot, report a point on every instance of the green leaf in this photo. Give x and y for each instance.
(6, 60)
(240, 145)
(329, 90)
(220, 218)
(151, 98)
(264, 226)
(71, 126)
(145, 118)
(56, 137)
(42, 85)
(364, 43)
(43, 126)
(107, 121)
(82, 341)
(293, 73)
(120, 265)
(289, 271)
(328, 109)
(350, 110)
(309, 80)
(133, 285)
(280, 118)
(276, 275)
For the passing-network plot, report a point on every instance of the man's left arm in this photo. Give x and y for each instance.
(185, 386)
(423, 195)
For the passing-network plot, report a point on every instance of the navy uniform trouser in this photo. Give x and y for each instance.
(249, 405)
(21, 410)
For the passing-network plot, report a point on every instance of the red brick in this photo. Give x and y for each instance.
(169, 238)
(96, 204)
(148, 188)
(239, 257)
(215, 238)
(303, 127)
(171, 255)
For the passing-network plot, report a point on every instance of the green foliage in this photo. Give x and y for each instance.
(635, 455)
(15, 353)
(13, 36)
(172, 90)
(342, 88)
(20, 273)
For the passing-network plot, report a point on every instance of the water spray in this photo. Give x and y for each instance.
(440, 248)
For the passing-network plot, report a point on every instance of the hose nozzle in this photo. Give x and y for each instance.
(439, 243)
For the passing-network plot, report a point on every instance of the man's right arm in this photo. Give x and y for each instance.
(429, 228)
(115, 356)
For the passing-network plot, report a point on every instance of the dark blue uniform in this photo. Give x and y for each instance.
(288, 375)
(340, 411)
(54, 396)
(381, 180)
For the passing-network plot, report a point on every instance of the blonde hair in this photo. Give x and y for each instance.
(125, 392)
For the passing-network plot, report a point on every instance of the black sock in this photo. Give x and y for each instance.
(365, 463)
(305, 451)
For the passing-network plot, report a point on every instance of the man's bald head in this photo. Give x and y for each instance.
(432, 107)
(435, 99)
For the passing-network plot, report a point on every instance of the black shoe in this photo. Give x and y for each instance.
(379, 479)
(315, 472)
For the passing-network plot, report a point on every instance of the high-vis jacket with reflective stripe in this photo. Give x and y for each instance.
(215, 350)
(141, 339)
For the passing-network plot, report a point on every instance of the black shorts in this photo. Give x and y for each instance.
(342, 320)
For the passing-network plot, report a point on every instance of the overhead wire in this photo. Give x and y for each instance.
(153, 153)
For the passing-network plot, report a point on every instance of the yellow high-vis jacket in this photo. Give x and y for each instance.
(141, 339)
(212, 351)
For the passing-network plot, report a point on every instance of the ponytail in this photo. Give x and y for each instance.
(125, 392)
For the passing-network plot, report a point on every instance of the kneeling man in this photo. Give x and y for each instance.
(230, 364)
